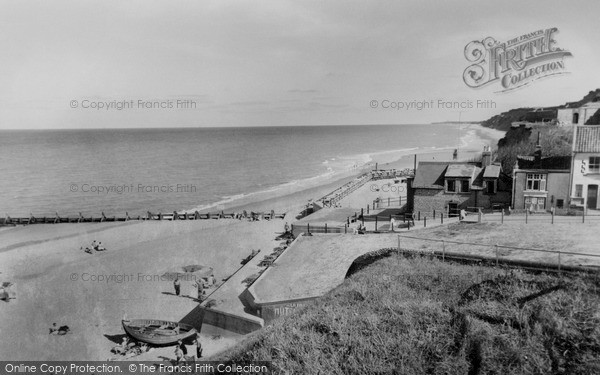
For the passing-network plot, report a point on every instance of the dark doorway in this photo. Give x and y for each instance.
(592, 196)
(453, 210)
(575, 118)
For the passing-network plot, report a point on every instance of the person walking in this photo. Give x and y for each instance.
(177, 285)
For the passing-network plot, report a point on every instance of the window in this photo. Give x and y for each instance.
(578, 191)
(560, 203)
(536, 181)
(490, 187)
(464, 186)
(594, 164)
(451, 185)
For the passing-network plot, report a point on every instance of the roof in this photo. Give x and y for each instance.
(587, 139)
(492, 171)
(547, 163)
(431, 175)
(460, 170)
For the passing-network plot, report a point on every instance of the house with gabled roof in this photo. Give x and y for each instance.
(585, 177)
(449, 186)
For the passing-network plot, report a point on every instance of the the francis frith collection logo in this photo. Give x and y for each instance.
(516, 62)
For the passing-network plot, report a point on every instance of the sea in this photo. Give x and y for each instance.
(45, 172)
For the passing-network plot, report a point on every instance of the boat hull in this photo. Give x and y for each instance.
(158, 332)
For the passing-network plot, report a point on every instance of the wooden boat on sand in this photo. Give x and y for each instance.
(158, 332)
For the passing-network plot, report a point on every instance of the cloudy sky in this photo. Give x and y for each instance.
(269, 63)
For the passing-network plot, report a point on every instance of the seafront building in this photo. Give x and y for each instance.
(585, 167)
(578, 115)
(541, 183)
(448, 187)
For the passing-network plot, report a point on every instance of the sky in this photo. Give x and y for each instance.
(272, 63)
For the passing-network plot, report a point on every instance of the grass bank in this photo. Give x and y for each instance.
(423, 316)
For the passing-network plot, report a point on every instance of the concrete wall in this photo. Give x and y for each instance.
(581, 175)
(283, 308)
(230, 322)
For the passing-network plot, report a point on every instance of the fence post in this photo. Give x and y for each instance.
(292, 228)
(368, 209)
(443, 250)
(552, 216)
(375, 223)
(496, 246)
(526, 215)
(425, 222)
(419, 216)
(308, 227)
(433, 214)
(325, 228)
(345, 228)
(559, 272)
(442, 217)
(502, 216)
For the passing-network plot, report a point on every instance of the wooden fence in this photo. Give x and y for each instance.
(56, 219)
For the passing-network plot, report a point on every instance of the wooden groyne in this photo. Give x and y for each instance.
(57, 219)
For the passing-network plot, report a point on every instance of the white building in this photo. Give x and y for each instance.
(585, 169)
(578, 115)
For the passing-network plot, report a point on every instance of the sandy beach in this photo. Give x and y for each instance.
(56, 282)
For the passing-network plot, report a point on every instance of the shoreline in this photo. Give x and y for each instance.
(40, 259)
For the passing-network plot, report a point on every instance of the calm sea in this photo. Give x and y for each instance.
(162, 170)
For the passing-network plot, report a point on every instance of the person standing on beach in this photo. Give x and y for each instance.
(177, 285)
(198, 347)
(200, 287)
(178, 354)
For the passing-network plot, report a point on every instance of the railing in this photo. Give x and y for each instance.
(494, 253)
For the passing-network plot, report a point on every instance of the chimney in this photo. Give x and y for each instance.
(537, 155)
(486, 157)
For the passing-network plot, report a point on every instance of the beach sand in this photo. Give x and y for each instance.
(56, 282)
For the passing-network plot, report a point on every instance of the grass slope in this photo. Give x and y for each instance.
(423, 316)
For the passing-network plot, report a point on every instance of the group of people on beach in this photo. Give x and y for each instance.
(97, 246)
(56, 330)
(200, 285)
(181, 350)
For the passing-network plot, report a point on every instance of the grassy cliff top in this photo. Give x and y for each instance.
(417, 315)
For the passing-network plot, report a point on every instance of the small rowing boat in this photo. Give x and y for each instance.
(158, 332)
